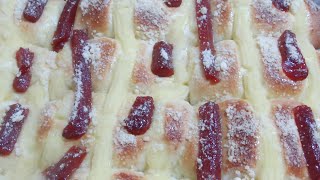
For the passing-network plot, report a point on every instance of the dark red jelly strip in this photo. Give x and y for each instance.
(67, 165)
(34, 10)
(210, 142)
(65, 25)
(162, 64)
(307, 131)
(11, 127)
(22, 81)
(282, 5)
(293, 62)
(206, 46)
(80, 116)
(140, 117)
(173, 3)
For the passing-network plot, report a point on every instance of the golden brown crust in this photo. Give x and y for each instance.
(103, 55)
(240, 138)
(127, 148)
(268, 19)
(177, 118)
(151, 19)
(228, 64)
(142, 77)
(174, 124)
(97, 16)
(222, 20)
(282, 116)
(46, 119)
(314, 14)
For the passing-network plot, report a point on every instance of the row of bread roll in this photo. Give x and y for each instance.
(96, 16)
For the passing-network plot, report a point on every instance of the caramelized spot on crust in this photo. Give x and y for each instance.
(289, 138)
(222, 20)
(46, 119)
(142, 75)
(101, 52)
(96, 15)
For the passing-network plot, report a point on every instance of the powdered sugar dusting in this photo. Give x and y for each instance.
(18, 115)
(11, 127)
(85, 5)
(242, 134)
(79, 90)
(123, 139)
(100, 54)
(93, 53)
(220, 8)
(208, 59)
(142, 109)
(174, 124)
(224, 60)
(204, 14)
(267, 13)
(151, 18)
(164, 54)
(221, 62)
(174, 114)
(293, 50)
